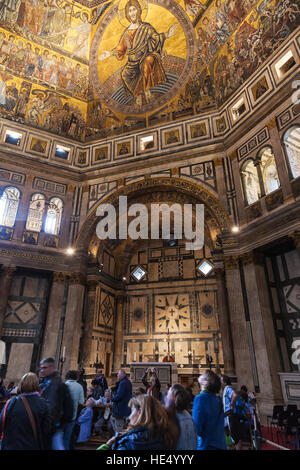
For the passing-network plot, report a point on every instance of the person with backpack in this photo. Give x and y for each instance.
(58, 397)
(25, 420)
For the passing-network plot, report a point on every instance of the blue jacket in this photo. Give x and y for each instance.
(208, 417)
(85, 420)
(138, 439)
(121, 398)
(188, 436)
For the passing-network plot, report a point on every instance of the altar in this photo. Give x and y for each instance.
(167, 373)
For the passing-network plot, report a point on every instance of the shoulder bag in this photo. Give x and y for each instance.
(31, 419)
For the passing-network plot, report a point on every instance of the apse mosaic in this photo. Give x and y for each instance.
(121, 65)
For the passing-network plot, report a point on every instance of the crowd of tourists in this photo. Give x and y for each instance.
(44, 412)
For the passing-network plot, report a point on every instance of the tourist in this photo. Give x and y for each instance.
(208, 413)
(240, 421)
(179, 397)
(77, 395)
(101, 380)
(120, 399)
(148, 429)
(58, 397)
(153, 384)
(3, 391)
(105, 405)
(81, 380)
(227, 398)
(95, 390)
(21, 431)
(85, 421)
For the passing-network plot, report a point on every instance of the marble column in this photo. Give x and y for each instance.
(225, 323)
(55, 311)
(280, 159)
(239, 327)
(72, 326)
(264, 340)
(89, 323)
(6, 278)
(118, 340)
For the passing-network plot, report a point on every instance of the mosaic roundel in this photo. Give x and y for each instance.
(142, 54)
(207, 311)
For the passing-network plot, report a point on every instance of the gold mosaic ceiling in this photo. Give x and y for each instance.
(90, 69)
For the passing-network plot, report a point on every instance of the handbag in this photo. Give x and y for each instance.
(3, 423)
(31, 419)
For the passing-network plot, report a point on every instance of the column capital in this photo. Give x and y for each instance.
(233, 155)
(295, 236)
(231, 262)
(252, 258)
(59, 277)
(218, 161)
(272, 124)
(121, 298)
(7, 272)
(219, 273)
(92, 285)
(77, 278)
(175, 171)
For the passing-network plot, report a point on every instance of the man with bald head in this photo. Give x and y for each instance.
(120, 401)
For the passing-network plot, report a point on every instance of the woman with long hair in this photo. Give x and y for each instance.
(26, 421)
(149, 427)
(178, 398)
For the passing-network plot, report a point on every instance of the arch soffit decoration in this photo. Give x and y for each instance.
(176, 190)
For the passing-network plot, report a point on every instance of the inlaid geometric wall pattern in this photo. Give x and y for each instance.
(105, 309)
(22, 312)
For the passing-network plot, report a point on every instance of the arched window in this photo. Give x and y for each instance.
(269, 170)
(53, 218)
(35, 213)
(250, 182)
(9, 204)
(291, 141)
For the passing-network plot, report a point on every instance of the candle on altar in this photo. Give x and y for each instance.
(208, 349)
(134, 357)
(64, 352)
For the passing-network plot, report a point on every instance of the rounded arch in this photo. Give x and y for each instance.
(159, 190)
